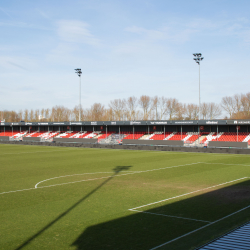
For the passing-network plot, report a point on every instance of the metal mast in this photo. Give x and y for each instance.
(79, 72)
(198, 58)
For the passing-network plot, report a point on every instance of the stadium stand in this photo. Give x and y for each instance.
(43, 135)
(178, 136)
(8, 133)
(66, 135)
(160, 136)
(79, 135)
(247, 139)
(211, 136)
(135, 136)
(169, 136)
(90, 135)
(104, 136)
(191, 137)
(232, 136)
(187, 137)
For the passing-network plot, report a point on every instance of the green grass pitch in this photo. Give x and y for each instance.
(76, 198)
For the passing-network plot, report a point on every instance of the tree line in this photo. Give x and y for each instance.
(142, 108)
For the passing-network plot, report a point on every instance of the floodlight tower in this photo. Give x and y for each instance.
(198, 58)
(79, 72)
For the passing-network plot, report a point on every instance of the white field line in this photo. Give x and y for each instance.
(14, 191)
(77, 175)
(196, 191)
(135, 172)
(199, 228)
(172, 216)
(227, 164)
(132, 172)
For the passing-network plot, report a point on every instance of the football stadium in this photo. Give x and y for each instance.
(117, 133)
(123, 185)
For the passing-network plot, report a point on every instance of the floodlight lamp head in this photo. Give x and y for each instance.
(78, 72)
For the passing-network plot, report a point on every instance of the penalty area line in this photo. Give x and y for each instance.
(200, 228)
(171, 216)
(196, 191)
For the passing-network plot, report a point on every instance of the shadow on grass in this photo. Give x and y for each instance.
(152, 227)
(116, 170)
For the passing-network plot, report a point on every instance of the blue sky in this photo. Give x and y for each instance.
(124, 48)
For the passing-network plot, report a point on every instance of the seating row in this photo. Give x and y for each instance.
(187, 137)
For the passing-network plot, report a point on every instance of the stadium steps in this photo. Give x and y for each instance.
(247, 139)
(146, 137)
(215, 137)
(32, 134)
(187, 137)
(212, 137)
(192, 138)
(207, 137)
(237, 239)
(19, 136)
(169, 136)
(91, 135)
(202, 138)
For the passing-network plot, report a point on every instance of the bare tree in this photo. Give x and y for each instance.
(205, 110)
(172, 105)
(26, 115)
(10, 116)
(162, 108)
(108, 115)
(36, 115)
(31, 115)
(180, 111)
(74, 114)
(145, 102)
(214, 110)
(118, 107)
(245, 102)
(155, 104)
(20, 115)
(192, 112)
(47, 114)
(42, 117)
(228, 105)
(132, 103)
(97, 111)
(60, 113)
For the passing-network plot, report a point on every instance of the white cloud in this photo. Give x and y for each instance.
(17, 62)
(6, 13)
(181, 31)
(174, 34)
(76, 32)
(152, 34)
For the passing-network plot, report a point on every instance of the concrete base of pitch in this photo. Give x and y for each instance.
(75, 140)
(137, 147)
(226, 144)
(152, 142)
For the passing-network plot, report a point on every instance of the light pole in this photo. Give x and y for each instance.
(198, 59)
(79, 72)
